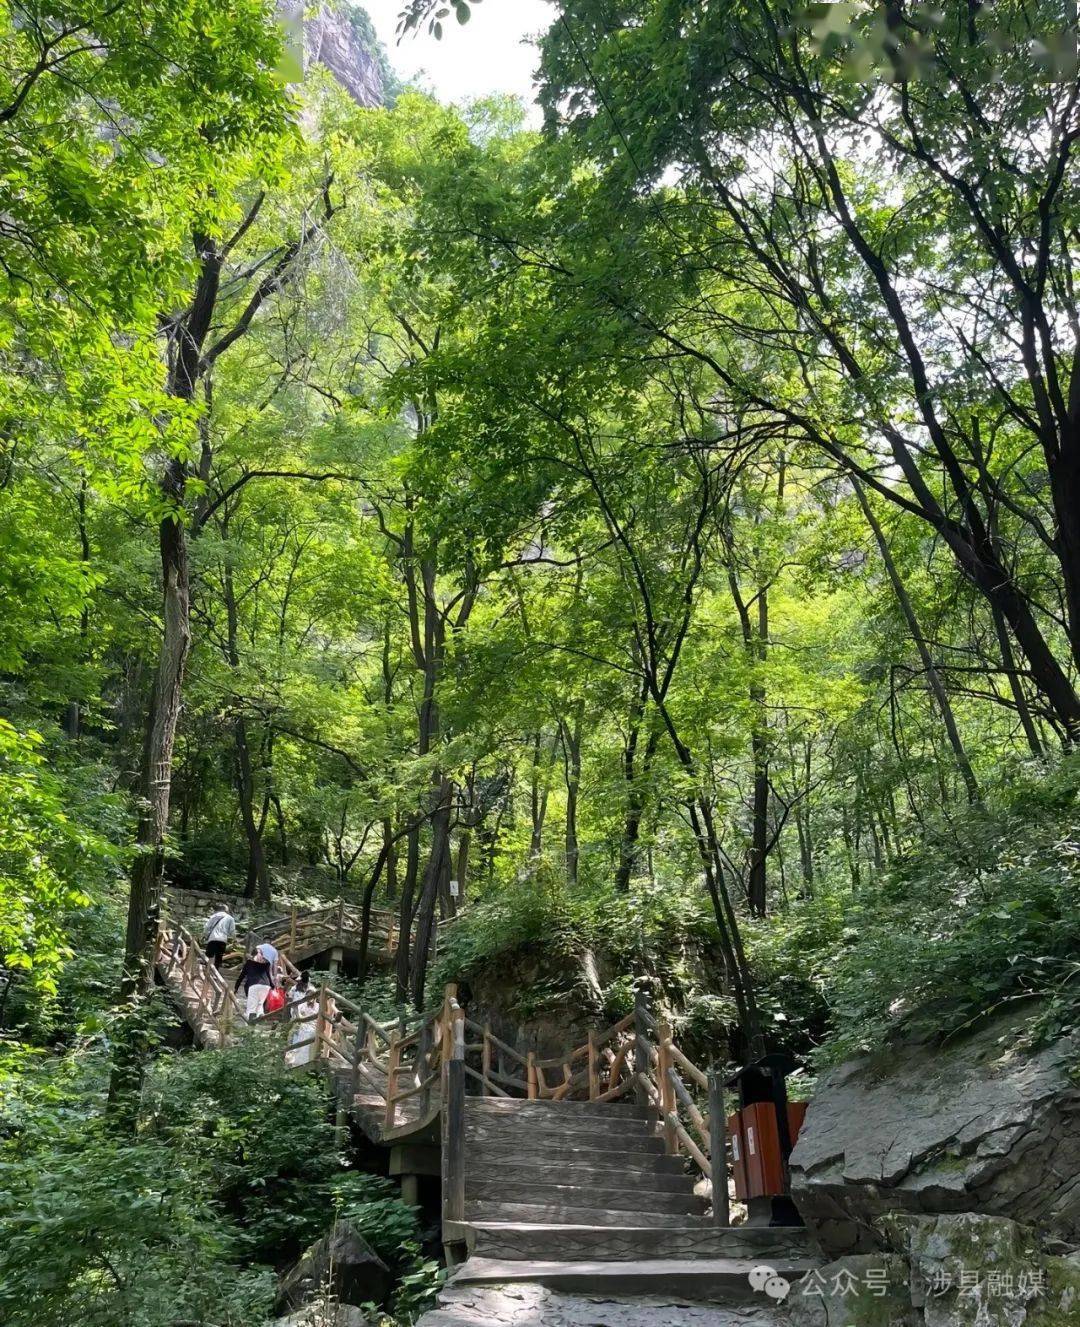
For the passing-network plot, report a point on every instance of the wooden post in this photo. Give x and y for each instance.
(718, 1148)
(532, 1076)
(667, 1092)
(423, 1054)
(486, 1064)
(453, 1134)
(341, 918)
(320, 1020)
(391, 1080)
(358, 1051)
(642, 1045)
(594, 1073)
(292, 932)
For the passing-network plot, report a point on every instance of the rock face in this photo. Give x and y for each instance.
(945, 1271)
(341, 1265)
(973, 1126)
(340, 37)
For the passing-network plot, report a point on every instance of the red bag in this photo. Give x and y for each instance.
(274, 1001)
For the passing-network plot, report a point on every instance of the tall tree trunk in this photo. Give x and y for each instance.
(1008, 662)
(462, 869)
(156, 782)
(540, 792)
(258, 876)
(635, 780)
(391, 859)
(571, 735)
(436, 879)
(933, 677)
(757, 875)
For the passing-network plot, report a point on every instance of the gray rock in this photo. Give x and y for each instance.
(976, 1125)
(871, 1290)
(526, 1304)
(323, 1315)
(341, 1265)
(971, 1269)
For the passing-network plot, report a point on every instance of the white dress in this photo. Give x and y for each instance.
(304, 1013)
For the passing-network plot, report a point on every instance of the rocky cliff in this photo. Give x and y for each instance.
(340, 37)
(980, 1125)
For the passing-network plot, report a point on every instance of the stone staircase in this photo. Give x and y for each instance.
(581, 1196)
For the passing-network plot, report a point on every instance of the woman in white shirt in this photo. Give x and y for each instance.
(304, 1012)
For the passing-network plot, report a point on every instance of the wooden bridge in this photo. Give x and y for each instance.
(606, 1167)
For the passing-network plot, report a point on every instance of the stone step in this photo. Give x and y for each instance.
(484, 1211)
(482, 1139)
(626, 1243)
(609, 1110)
(717, 1280)
(489, 1156)
(584, 1175)
(579, 1130)
(522, 1305)
(494, 1189)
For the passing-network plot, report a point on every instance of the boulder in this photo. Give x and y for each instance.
(974, 1125)
(341, 1265)
(962, 1270)
(870, 1289)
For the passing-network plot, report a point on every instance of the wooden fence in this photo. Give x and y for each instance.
(637, 1056)
(405, 1071)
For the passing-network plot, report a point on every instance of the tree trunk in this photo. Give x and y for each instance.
(1064, 468)
(391, 860)
(636, 794)
(1008, 662)
(258, 876)
(146, 872)
(462, 868)
(757, 875)
(539, 793)
(436, 878)
(933, 677)
(571, 734)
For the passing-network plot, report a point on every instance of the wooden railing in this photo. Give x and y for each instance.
(211, 1007)
(689, 1101)
(415, 1066)
(308, 931)
(635, 1056)
(398, 1061)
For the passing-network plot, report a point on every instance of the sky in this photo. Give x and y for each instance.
(486, 55)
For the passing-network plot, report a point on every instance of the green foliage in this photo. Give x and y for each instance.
(47, 856)
(234, 1169)
(371, 1204)
(264, 1135)
(102, 1228)
(983, 914)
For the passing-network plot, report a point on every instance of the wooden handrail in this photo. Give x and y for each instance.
(637, 1054)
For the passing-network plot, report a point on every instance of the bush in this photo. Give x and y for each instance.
(985, 913)
(264, 1135)
(101, 1228)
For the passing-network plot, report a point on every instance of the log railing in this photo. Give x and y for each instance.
(414, 1067)
(397, 1062)
(341, 923)
(636, 1056)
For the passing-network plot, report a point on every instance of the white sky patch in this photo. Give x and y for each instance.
(492, 53)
